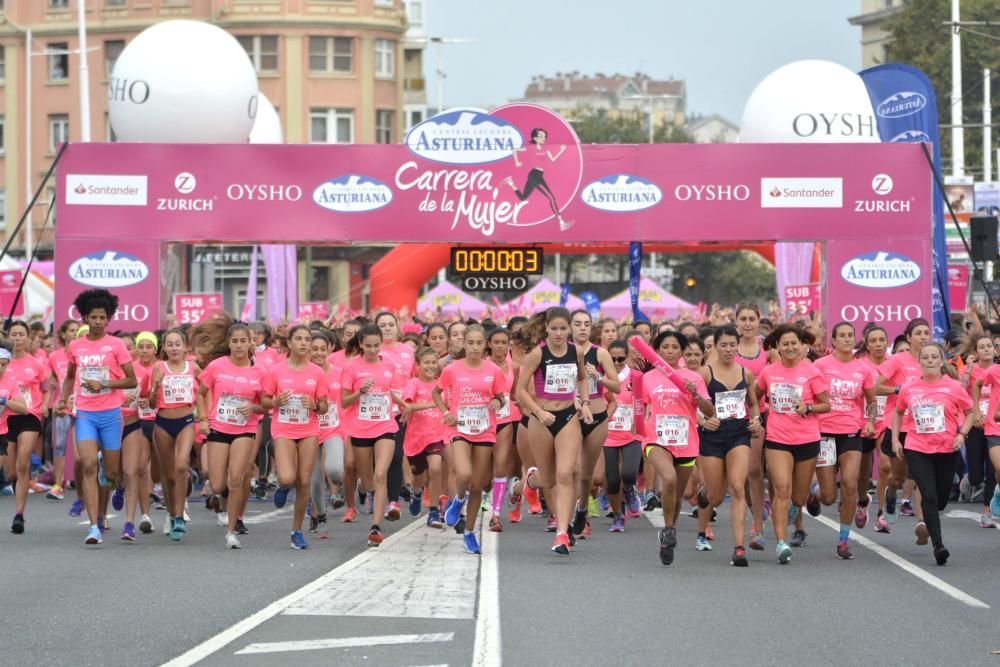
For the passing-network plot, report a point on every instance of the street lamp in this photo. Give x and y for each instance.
(441, 41)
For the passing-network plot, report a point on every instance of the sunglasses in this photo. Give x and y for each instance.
(619, 360)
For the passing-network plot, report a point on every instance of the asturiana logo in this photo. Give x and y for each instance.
(621, 193)
(464, 136)
(901, 104)
(880, 269)
(352, 194)
(911, 137)
(108, 268)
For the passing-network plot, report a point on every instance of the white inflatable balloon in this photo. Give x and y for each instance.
(809, 101)
(267, 126)
(183, 82)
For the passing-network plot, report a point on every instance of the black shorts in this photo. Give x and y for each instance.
(501, 427)
(992, 441)
(129, 429)
(418, 462)
(147, 428)
(459, 438)
(3, 445)
(524, 420)
(887, 442)
(18, 424)
(720, 450)
(368, 443)
(845, 442)
(229, 438)
(599, 418)
(868, 445)
(799, 453)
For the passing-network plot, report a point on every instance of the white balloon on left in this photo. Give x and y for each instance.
(183, 82)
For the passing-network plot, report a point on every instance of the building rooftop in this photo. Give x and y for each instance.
(574, 84)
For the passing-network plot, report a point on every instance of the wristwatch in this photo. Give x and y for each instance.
(105, 382)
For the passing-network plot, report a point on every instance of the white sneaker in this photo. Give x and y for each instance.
(145, 524)
(187, 517)
(232, 542)
(222, 518)
(167, 525)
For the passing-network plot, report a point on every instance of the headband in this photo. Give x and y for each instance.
(148, 336)
(82, 331)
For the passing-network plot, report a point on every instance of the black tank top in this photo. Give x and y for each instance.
(555, 377)
(594, 387)
(728, 400)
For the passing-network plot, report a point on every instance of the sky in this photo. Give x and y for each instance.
(721, 48)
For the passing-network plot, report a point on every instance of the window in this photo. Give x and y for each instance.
(385, 3)
(3, 138)
(263, 51)
(58, 61)
(3, 62)
(383, 126)
(114, 3)
(414, 117)
(385, 65)
(331, 54)
(58, 131)
(331, 126)
(112, 49)
(415, 14)
(58, 4)
(109, 132)
(3, 208)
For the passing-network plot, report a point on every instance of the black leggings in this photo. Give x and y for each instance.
(266, 450)
(394, 476)
(536, 181)
(980, 467)
(933, 474)
(630, 456)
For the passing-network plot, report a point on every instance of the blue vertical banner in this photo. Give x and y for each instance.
(564, 296)
(906, 112)
(634, 269)
(592, 303)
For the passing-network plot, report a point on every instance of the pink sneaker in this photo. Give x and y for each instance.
(861, 516)
(881, 525)
(552, 524)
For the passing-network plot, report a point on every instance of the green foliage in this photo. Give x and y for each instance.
(723, 277)
(597, 126)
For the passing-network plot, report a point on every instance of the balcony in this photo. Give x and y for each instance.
(417, 85)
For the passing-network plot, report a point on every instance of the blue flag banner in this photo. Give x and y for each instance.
(592, 303)
(634, 269)
(906, 112)
(564, 296)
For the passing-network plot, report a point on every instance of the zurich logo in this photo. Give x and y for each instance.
(901, 104)
(880, 269)
(621, 193)
(352, 194)
(911, 137)
(108, 269)
(464, 136)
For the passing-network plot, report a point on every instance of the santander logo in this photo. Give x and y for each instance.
(775, 191)
(80, 189)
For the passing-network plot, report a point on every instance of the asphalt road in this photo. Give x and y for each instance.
(419, 600)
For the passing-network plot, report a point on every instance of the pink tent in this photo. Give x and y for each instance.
(543, 295)
(448, 300)
(654, 301)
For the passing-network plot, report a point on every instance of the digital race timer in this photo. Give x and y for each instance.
(468, 261)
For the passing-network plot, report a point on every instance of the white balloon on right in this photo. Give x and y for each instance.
(809, 101)
(267, 126)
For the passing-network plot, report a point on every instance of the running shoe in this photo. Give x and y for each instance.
(183, 522)
(587, 531)
(94, 536)
(941, 554)
(767, 510)
(906, 508)
(406, 493)
(561, 545)
(313, 521)
(514, 515)
(232, 542)
(77, 508)
(618, 525)
(593, 508)
(168, 524)
(470, 543)
(668, 541)
(17, 527)
(416, 502)
(702, 498)
(454, 511)
(985, 520)
(798, 538)
(8, 490)
(260, 490)
(890, 506)
(756, 540)
(337, 500)
(241, 528)
(812, 502)
(964, 490)
(632, 504)
(709, 533)
(280, 497)
(297, 541)
(739, 558)
(55, 493)
(349, 515)
(603, 503)
(551, 524)
(362, 497)
(145, 525)
(434, 519)
(186, 516)
(881, 525)
(652, 502)
(572, 539)
(784, 552)
(443, 504)
(495, 525)
(534, 501)
(374, 537)
(701, 544)
(995, 503)
(861, 515)
(922, 533)
(844, 551)
(177, 529)
(393, 513)
(128, 532)
(579, 521)
(222, 519)
(156, 495)
(322, 532)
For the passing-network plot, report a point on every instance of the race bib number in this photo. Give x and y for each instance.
(330, 418)
(731, 404)
(784, 397)
(929, 418)
(592, 385)
(880, 406)
(827, 453)
(622, 419)
(984, 409)
(228, 410)
(97, 374)
(473, 419)
(560, 379)
(672, 430)
(146, 413)
(504, 412)
(293, 412)
(178, 389)
(131, 397)
(374, 407)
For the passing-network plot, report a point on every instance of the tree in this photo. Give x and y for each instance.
(920, 38)
(597, 126)
(722, 277)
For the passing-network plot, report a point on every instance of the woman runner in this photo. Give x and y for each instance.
(981, 469)
(61, 424)
(330, 454)
(872, 353)
(424, 444)
(135, 455)
(622, 449)
(508, 419)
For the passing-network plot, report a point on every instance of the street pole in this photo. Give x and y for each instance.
(84, 72)
(440, 76)
(28, 189)
(957, 132)
(987, 130)
(650, 119)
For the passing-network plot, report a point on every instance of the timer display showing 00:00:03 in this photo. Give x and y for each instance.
(496, 261)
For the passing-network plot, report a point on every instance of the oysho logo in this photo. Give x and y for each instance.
(243, 192)
(901, 104)
(712, 192)
(108, 268)
(880, 269)
(882, 184)
(185, 183)
(464, 136)
(621, 193)
(352, 193)
(105, 190)
(801, 193)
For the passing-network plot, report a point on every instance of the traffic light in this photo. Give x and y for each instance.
(691, 281)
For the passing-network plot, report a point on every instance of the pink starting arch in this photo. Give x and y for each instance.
(468, 176)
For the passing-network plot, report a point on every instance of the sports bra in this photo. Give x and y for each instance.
(556, 377)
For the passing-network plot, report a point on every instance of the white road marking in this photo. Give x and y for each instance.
(231, 634)
(344, 642)
(267, 517)
(965, 514)
(907, 566)
(487, 647)
(87, 522)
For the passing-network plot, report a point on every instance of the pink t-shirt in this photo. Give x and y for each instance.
(424, 426)
(371, 415)
(8, 390)
(990, 378)
(471, 390)
(509, 413)
(880, 401)
(986, 392)
(229, 387)
(847, 382)
(329, 422)
(621, 424)
(293, 420)
(96, 360)
(899, 370)
(29, 374)
(936, 408)
(671, 421)
(785, 387)
(267, 357)
(130, 397)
